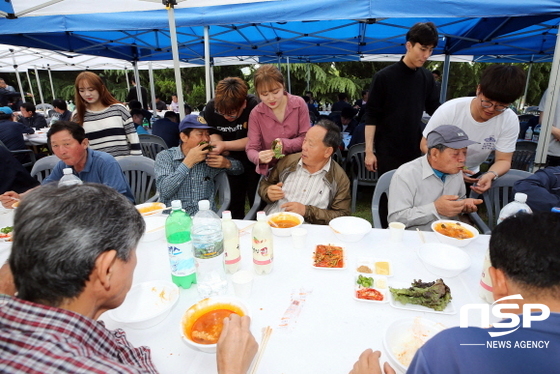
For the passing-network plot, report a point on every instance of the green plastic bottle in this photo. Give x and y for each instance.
(178, 233)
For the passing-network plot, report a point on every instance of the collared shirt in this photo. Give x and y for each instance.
(305, 188)
(101, 168)
(42, 339)
(176, 181)
(414, 188)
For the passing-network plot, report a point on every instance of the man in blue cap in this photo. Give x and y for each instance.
(187, 172)
(11, 133)
(431, 187)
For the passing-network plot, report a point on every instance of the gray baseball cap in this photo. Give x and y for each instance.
(449, 136)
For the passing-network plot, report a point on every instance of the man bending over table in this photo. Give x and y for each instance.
(525, 258)
(69, 143)
(431, 187)
(73, 257)
(310, 183)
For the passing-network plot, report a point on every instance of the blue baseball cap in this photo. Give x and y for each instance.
(194, 121)
(6, 110)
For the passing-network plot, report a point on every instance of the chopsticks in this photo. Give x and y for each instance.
(243, 230)
(152, 212)
(421, 235)
(267, 331)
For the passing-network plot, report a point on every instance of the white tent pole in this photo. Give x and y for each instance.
(31, 87)
(524, 97)
(212, 81)
(17, 75)
(175, 51)
(138, 86)
(445, 79)
(39, 85)
(152, 87)
(126, 79)
(548, 115)
(50, 80)
(207, 63)
(289, 77)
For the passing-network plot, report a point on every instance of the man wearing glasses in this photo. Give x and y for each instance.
(488, 121)
(228, 114)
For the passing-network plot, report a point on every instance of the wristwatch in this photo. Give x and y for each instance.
(495, 174)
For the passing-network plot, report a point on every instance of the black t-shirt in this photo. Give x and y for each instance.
(233, 130)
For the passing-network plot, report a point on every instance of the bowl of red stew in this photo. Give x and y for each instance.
(455, 233)
(282, 223)
(202, 323)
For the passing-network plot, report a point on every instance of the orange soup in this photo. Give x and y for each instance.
(284, 221)
(453, 230)
(206, 325)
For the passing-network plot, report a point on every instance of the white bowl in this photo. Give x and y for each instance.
(444, 260)
(146, 304)
(155, 228)
(403, 337)
(452, 241)
(284, 231)
(202, 307)
(349, 228)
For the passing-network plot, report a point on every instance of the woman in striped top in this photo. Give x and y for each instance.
(107, 122)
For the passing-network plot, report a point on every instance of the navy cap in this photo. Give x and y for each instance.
(194, 121)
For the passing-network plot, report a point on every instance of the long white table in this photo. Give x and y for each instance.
(332, 328)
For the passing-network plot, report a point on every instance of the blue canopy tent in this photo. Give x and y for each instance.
(137, 30)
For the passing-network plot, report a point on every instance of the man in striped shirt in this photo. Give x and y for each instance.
(73, 257)
(310, 183)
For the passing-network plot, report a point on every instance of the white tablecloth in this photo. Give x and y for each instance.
(332, 329)
(38, 138)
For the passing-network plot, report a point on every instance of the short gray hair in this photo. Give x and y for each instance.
(60, 232)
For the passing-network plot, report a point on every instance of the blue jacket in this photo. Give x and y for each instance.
(542, 189)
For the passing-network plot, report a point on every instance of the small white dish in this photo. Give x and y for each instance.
(344, 259)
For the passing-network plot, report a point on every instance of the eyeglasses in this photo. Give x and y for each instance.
(488, 104)
(230, 116)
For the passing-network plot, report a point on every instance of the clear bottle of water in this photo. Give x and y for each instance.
(518, 205)
(208, 247)
(529, 134)
(178, 233)
(536, 133)
(69, 179)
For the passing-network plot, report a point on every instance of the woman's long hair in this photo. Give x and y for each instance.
(94, 81)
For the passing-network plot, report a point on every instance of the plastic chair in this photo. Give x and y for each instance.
(32, 157)
(524, 155)
(356, 168)
(140, 175)
(381, 188)
(257, 204)
(151, 145)
(337, 156)
(222, 192)
(43, 167)
(500, 194)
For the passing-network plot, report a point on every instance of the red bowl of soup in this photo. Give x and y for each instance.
(202, 323)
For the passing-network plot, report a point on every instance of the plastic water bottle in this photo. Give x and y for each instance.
(485, 290)
(208, 247)
(261, 243)
(69, 179)
(529, 134)
(516, 206)
(179, 245)
(536, 133)
(231, 242)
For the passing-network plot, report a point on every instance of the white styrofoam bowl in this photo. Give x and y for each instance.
(155, 228)
(444, 260)
(403, 337)
(146, 304)
(349, 228)
(452, 241)
(202, 307)
(284, 231)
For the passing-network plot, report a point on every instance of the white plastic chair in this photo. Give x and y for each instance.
(140, 175)
(381, 188)
(222, 192)
(151, 145)
(43, 167)
(356, 168)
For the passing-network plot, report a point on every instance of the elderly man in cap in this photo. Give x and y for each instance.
(187, 172)
(431, 187)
